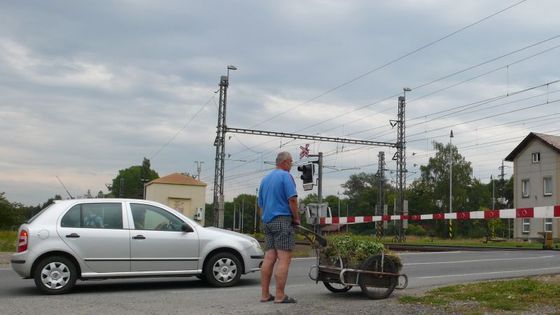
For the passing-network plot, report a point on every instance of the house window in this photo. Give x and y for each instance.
(536, 157)
(526, 225)
(548, 225)
(525, 188)
(547, 186)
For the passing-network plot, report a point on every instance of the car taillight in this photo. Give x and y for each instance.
(22, 242)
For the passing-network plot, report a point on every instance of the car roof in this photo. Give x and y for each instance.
(71, 201)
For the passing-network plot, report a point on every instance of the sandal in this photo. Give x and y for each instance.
(270, 298)
(286, 299)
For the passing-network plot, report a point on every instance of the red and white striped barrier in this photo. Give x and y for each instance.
(536, 212)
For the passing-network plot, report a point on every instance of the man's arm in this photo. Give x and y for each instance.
(295, 211)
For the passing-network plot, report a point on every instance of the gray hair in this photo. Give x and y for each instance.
(282, 156)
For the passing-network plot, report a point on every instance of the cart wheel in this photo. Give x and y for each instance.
(337, 287)
(378, 286)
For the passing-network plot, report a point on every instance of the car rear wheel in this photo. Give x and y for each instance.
(55, 275)
(223, 270)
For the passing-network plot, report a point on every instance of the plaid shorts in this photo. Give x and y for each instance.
(279, 233)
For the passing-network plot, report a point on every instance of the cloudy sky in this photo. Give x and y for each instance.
(91, 87)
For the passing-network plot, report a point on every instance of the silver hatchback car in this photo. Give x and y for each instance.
(117, 238)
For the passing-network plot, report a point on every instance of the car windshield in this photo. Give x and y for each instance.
(38, 214)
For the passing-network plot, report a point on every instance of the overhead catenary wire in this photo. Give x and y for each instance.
(181, 129)
(393, 61)
(448, 87)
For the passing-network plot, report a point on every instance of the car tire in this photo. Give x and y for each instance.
(55, 275)
(222, 270)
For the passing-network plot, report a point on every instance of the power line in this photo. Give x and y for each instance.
(448, 87)
(181, 129)
(391, 62)
(440, 79)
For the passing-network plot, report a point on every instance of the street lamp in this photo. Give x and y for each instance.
(230, 67)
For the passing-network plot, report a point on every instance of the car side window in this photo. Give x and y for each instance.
(94, 215)
(147, 217)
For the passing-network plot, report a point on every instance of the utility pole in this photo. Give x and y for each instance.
(220, 143)
(450, 182)
(242, 213)
(198, 168)
(234, 210)
(501, 193)
(380, 193)
(489, 225)
(320, 178)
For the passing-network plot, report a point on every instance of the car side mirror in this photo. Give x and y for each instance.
(186, 228)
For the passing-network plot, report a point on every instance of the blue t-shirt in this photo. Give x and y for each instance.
(275, 190)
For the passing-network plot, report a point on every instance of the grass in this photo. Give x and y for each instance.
(8, 241)
(491, 296)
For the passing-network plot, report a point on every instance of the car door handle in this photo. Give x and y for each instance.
(73, 235)
(139, 237)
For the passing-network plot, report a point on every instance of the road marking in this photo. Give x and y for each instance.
(489, 273)
(305, 258)
(428, 253)
(476, 260)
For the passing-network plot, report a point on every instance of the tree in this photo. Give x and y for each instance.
(243, 204)
(130, 182)
(14, 214)
(6, 213)
(433, 185)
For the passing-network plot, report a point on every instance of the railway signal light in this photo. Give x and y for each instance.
(306, 175)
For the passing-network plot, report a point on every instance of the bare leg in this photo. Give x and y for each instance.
(281, 274)
(266, 272)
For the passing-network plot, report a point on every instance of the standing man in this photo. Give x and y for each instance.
(278, 201)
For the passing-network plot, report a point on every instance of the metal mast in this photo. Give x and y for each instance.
(220, 155)
(401, 165)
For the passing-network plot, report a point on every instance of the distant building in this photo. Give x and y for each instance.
(536, 171)
(180, 192)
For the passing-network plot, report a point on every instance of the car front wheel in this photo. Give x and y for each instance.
(223, 270)
(55, 275)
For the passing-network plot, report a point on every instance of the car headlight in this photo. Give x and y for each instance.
(255, 243)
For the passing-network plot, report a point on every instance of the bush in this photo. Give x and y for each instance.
(418, 230)
(353, 250)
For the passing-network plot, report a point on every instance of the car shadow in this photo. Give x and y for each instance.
(134, 285)
(148, 284)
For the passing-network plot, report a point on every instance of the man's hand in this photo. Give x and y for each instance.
(294, 209)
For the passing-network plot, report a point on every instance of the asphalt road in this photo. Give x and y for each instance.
(191, 296)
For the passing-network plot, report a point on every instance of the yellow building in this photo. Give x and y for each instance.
(180, 192)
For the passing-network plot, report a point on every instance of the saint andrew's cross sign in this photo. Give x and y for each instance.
(304, 151)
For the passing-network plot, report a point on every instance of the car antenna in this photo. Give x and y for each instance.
(61, 183)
